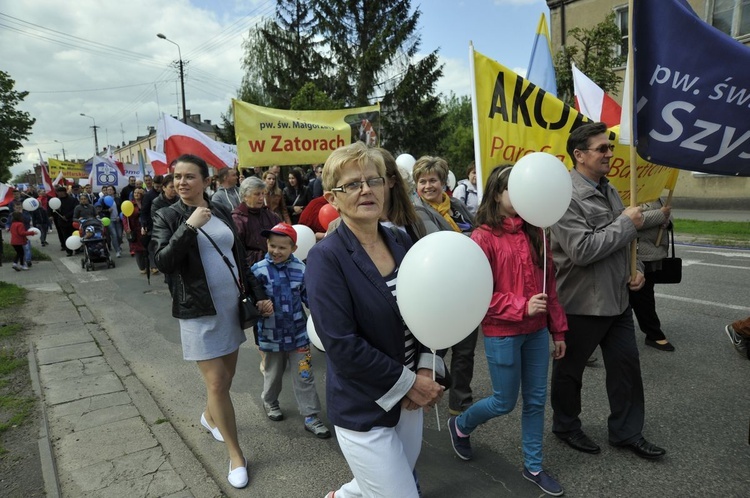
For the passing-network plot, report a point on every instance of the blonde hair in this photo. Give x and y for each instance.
(357, 153)
(429, 164)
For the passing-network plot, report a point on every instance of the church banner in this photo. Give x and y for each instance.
(268, 136)
(515, 118)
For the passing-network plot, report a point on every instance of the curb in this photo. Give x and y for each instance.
(46, 456)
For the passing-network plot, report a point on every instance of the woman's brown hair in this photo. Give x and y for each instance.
(489, 214)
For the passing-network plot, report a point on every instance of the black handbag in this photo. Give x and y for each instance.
(671, 267)
(249, 313)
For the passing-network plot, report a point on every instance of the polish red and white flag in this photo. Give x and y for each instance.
(6, 194)
(158, 161)
(593, 102)
(179, 138)
(49, 185)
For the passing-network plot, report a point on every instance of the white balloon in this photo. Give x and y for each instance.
(73, 243)
(37, 234)
(436, 313)
(451, 181)
(313, 335)
(55, 203)
(30, 204)
(305, 241)
(405, 161)
(540, 189)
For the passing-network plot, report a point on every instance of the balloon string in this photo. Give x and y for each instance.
(434, 360)
(544, 247)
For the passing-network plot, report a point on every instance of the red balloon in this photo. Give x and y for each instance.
(327, 214)
(76, 225)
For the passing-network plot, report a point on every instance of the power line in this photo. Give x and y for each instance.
(93, 89)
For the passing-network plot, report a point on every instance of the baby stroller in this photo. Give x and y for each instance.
(94, 239)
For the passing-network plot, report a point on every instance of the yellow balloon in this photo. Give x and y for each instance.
(127, 208)
(76, 234)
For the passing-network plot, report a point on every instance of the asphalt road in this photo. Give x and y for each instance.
(697, 399)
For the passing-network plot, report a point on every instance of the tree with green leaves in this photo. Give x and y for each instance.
(15, 125)
(458, 146)
(593, 52)
(373, 44)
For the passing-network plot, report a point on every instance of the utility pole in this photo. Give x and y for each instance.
(96, 139)
(182, 75)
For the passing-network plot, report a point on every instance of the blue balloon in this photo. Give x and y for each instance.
(108, 200)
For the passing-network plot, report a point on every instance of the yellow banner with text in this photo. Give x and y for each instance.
(515, 118)
(68, 169)
(268, 136)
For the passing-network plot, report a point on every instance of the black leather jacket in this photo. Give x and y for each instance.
(175, 249)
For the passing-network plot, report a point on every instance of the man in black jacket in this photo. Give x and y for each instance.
(63, 217)
(147, 222)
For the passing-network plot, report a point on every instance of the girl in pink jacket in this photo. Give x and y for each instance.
(516, 328)
(18, 235)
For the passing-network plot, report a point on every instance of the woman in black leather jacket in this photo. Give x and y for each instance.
(205, 295)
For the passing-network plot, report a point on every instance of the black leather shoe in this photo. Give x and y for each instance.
(581, 442)
(644, 449)
(661, 347)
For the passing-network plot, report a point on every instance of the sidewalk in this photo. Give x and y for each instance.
(102, 434)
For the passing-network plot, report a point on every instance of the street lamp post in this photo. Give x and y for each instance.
(63, 149)
(182, 75)
(96, 139)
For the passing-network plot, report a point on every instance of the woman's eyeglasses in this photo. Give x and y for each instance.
(602, 149)
(378, 181)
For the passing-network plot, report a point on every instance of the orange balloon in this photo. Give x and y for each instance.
(327, 214)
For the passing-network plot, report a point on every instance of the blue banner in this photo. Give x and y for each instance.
(692, 91)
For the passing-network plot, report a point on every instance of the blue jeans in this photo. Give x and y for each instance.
(519, 361)
(115, 234)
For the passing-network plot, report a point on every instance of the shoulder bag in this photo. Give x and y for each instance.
(671, 267)
(249, 314)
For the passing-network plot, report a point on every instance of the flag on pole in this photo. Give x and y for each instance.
(691, 91)
(47, 181)
(158, 161)
(6, 194)
(541, 70)
(180, 138)
(594, 102)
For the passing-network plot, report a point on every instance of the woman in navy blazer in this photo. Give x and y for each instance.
(379, 377)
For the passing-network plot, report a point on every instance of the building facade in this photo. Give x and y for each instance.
(697, 190)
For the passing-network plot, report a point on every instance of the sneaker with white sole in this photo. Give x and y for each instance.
(545, 482)
(313, 424)
(273, 411)
(737, 341)
(461, 445)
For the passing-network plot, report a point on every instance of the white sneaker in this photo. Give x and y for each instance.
(214, 432)
(238, 477)
(24, 267)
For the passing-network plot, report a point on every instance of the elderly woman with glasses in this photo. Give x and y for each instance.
(251, 217)
(379, 377)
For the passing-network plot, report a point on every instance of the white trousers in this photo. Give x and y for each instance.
(382, 459)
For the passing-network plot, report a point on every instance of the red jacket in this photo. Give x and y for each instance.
(516, 279)
(18, 233)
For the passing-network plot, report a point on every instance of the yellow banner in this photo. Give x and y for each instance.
(273, 136)
(517, 118)
(68, 169)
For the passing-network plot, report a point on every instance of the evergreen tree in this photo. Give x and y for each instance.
(15, 125)
(594, 54)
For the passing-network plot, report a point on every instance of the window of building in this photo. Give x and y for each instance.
(621, 19)
(730, 16)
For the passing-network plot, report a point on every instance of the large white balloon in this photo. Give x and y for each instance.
(55, 203)
(305, 241)
(313, 335)
(30, 204)
(451, 181)
(73, 243)
(37, 234)
(405, 161)
(539, 187)
(437, 313)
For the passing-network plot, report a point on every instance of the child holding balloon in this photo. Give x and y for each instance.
(516, 327)
(18, 234)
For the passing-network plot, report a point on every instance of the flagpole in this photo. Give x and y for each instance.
(475, 124)
(661, 228)
(633, 153)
